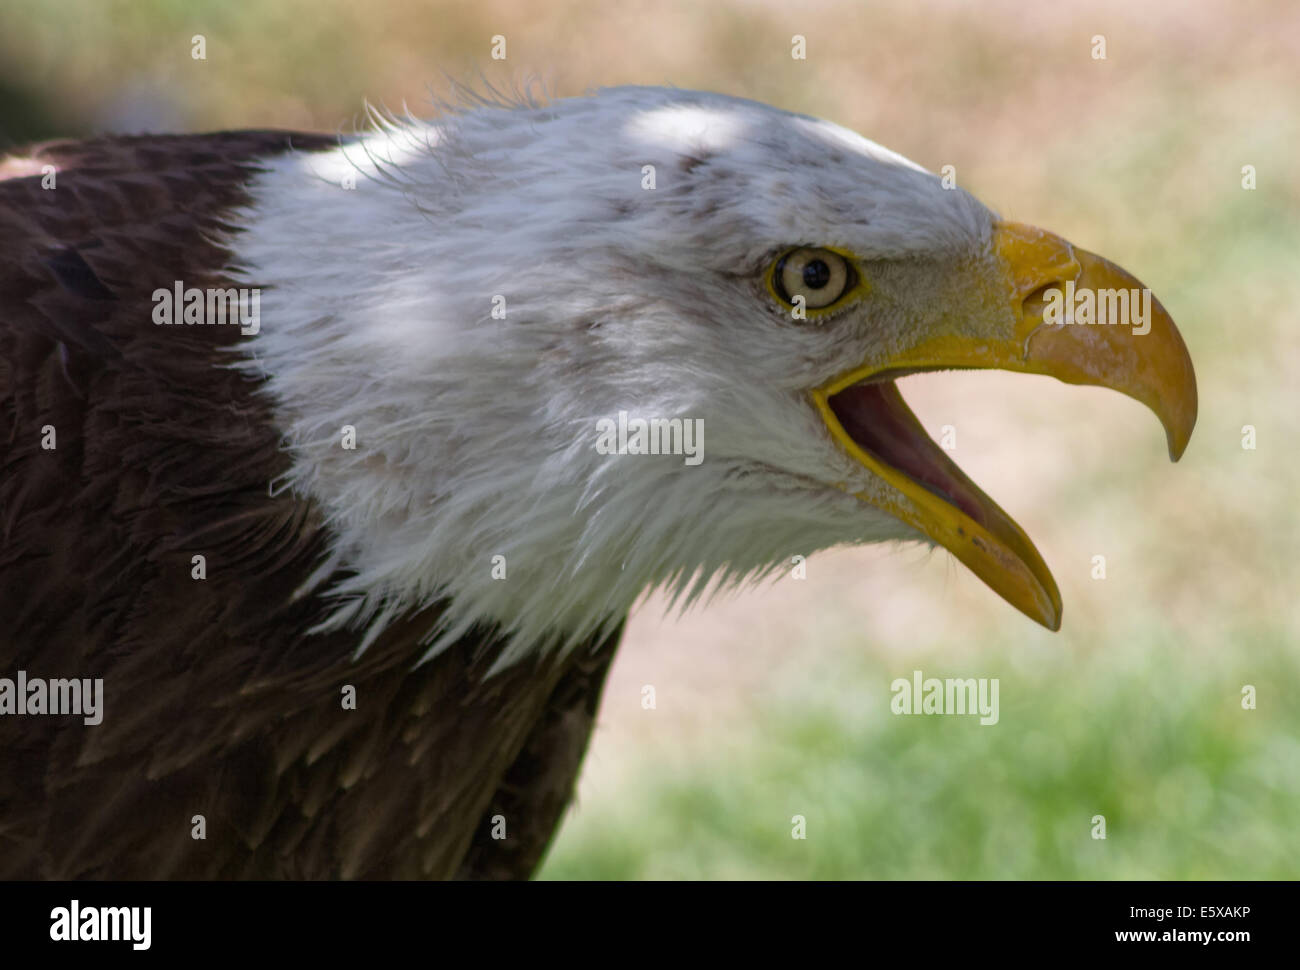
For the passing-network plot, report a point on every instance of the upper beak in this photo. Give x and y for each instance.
(1146, 361)
(1037, 275)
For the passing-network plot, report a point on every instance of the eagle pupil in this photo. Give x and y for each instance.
(816, 274)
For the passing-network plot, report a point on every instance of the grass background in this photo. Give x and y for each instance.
(774, 703)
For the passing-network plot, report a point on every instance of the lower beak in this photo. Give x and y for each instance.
(1074, 316)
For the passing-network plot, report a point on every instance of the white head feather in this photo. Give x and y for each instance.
(476, 437)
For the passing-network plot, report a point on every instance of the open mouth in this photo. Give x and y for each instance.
(868, 418)
(874, 424)
(879, 421)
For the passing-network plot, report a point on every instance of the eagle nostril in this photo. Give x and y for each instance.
(1035, 300)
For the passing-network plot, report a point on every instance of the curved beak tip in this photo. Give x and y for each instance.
(1050, 615)
(1177, 445)
(1178, 431)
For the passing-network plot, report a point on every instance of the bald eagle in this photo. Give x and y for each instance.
(342, 544)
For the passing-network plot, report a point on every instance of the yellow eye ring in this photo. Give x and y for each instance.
(824, 278)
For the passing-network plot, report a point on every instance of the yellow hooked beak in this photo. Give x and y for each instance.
(1073, 316)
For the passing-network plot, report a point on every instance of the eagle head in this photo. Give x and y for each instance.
(651, 337)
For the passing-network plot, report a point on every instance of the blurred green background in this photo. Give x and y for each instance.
(775, 703)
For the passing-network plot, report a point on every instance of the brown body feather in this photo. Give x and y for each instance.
(216, 701)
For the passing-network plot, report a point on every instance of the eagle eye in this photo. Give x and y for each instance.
(821, 276)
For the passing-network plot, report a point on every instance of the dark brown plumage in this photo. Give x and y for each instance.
(217, 703)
